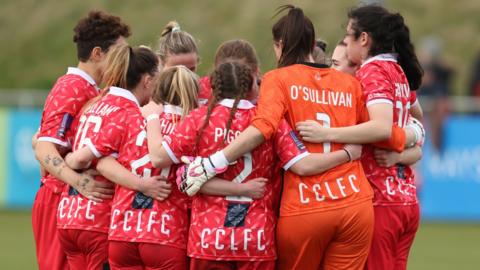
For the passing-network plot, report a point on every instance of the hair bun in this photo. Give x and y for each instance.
(171, 27)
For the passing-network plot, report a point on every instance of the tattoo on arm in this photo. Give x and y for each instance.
(47, 159)
(61, 168)
(57, 161)
(84, 183)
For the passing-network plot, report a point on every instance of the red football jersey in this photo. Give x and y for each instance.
(102, 128)
(413, 98)
(383, 81)
(63, 103)
(233, 228)
(136, 217)
(205, 90)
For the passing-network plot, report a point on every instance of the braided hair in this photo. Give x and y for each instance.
(231, 80)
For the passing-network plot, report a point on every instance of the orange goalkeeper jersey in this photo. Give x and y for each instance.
(315, 92)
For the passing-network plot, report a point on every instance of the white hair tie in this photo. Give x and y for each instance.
(176, 29)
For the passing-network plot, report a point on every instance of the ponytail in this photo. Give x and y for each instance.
(118, 61)
(296, 34)
(127, 65)
(177, 86)
(175, 41)
(407, 58)
(389, 35)
(171, 26)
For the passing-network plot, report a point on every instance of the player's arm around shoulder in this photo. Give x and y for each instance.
(254, 188)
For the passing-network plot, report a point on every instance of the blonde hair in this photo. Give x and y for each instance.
(175, 41)
(125, 66)
(177, 86)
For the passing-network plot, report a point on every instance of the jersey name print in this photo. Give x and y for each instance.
(101, 128)
(334, 99)
(62, 106)
(233, 228)
(137, 217)
(383, 81)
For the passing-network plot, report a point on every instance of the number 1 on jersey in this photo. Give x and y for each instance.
(325, 118)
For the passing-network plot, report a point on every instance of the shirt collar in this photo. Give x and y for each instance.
(392, 57)
(315, 65)
(171, 109)
(243, 104)
(117, 91)
(83, 74)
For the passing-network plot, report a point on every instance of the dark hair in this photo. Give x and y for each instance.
(297, 34)
(389, 35)
(237, 50)
(229, 80)
(318, 53)
(320, 43)
(127, 65)
(98, 29)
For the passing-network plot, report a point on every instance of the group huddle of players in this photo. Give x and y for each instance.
(307, 166)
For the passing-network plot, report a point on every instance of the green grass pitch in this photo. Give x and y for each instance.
(437, 246)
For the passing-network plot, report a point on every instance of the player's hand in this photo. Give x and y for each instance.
(151, 108)
(92, 189)
(195, 174)
(155, 187)
(416, 127)
(68, 160)
(386, 158)
(254, 188)
(355, 150)
(313, 131)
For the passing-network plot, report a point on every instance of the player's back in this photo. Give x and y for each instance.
(243, 228)
(384, 81)
(316, 92)
(137, 217)
(70, 92)
(76, 211)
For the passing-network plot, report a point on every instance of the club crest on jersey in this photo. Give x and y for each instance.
(236, 214)
(401, 172)
(141, 201)
(72, 191)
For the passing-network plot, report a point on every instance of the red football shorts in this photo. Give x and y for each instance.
(50, 255)
(393, 235)
(139, 256)
(84, 249)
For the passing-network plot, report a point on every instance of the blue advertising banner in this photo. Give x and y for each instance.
(23, 173)
(450, 188)
(3, 154)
